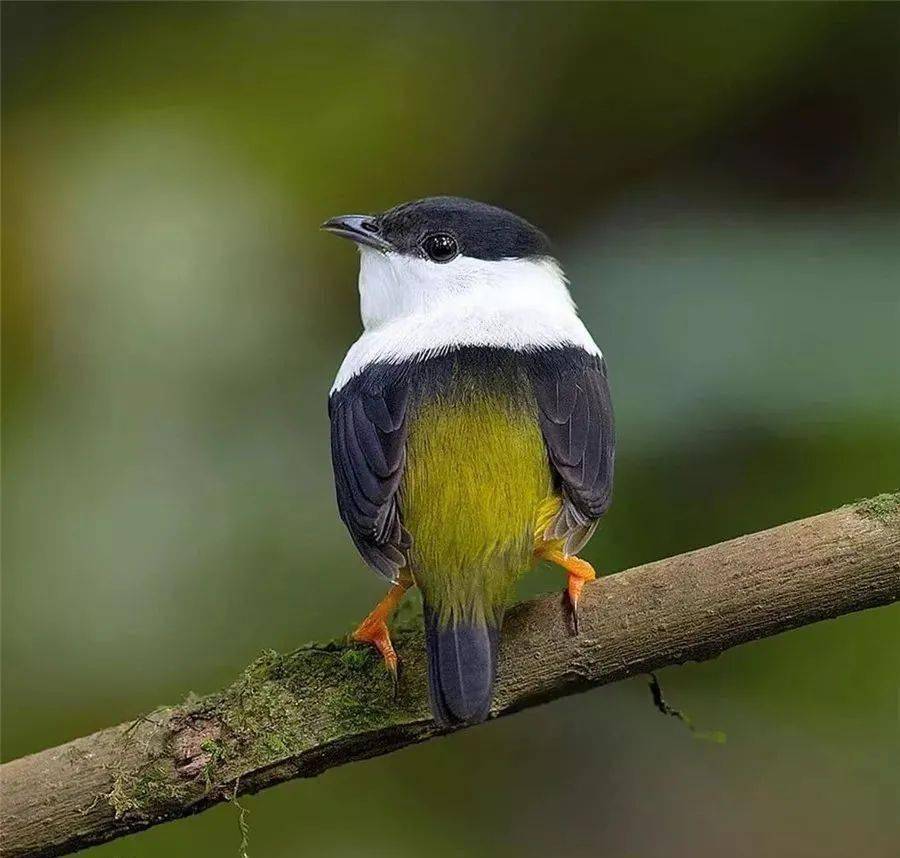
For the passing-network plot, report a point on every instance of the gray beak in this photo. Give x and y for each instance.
(363, 229)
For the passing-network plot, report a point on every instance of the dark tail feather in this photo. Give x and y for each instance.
(462, 666)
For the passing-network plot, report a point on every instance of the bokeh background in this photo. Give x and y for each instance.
(721, 182)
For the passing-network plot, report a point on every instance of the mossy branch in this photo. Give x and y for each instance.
(299, 714)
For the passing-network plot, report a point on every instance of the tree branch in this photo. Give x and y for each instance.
(297, 715)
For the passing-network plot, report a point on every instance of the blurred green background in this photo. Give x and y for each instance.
(721, 182)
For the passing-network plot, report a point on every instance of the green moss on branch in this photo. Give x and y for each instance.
(280, 708)
(884, 508)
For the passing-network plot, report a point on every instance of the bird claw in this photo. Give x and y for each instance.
(579, 571)
(394, 670)
(573, 592)
(376, 633)
(572, 611)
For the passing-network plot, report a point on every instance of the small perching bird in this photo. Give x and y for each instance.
(471, 429)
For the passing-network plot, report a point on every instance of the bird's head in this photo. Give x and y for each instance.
(418, 256)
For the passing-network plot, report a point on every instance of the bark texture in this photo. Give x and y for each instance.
(297, 715)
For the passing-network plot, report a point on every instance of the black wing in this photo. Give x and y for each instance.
(576, 417)
(368, 452)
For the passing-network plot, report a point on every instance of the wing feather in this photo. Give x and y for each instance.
(576, 418)
(368, 450)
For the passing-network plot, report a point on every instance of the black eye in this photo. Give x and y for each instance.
(440, 247)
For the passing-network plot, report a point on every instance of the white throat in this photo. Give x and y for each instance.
(413, 308)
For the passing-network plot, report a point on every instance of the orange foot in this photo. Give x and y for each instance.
(579, 571)
(374, 630)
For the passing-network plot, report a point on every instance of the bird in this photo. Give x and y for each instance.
(472, 430)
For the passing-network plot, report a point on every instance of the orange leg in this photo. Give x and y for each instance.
(578, 570)
(374, 630)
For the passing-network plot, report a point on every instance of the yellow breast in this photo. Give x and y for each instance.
(477, 480)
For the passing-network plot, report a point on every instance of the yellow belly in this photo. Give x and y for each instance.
(477, 484)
